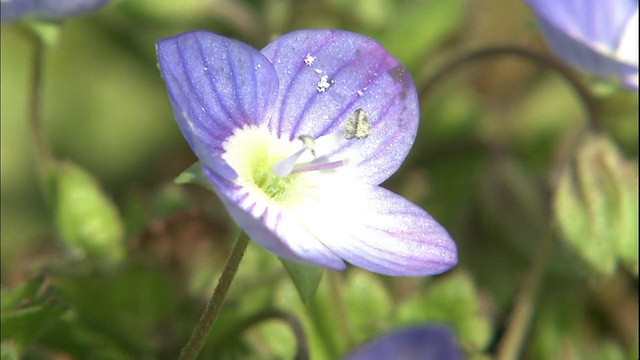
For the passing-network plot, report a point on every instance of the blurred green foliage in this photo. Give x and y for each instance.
(493, 162)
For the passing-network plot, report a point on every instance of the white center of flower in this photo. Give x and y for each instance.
(281, 169)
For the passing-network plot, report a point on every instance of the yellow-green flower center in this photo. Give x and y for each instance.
(252, 152)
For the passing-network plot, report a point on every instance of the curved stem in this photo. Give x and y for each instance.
(520, 319)
(208, 318)
(302, 347)
(491, 52)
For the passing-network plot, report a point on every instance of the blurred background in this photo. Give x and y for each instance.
(490, 139)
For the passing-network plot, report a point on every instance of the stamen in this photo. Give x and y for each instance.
(320, 166)
(357, 126)
(284, 167)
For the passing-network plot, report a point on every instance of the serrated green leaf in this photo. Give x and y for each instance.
(596, 206)
(87, 221)
(452, 301)
(306, 278)
(193, 175)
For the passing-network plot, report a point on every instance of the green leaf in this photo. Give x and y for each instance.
(306, 278)
(193, 175)
(368, 304)
(8, 351)
(596, 206)
(453, 301)
(114, 312)
(87, 221)
(25, 291)
(24, 325)
(28, 312)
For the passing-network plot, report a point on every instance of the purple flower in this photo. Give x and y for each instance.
(47, 9)
(295, 140)
(600, 37)
(417, 343)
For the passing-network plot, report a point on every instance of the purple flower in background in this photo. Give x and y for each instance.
(417, 343)
(598, 36)
(295, 140)
(47, 9)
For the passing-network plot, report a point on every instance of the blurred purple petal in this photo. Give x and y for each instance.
(48, 9)
(417, 343)
(60, 9)
(597, 36)
(590, 21)
(11, 10)
(358, 74)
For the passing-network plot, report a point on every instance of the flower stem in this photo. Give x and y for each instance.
(41, 145)
(208, 318)
(519, 321)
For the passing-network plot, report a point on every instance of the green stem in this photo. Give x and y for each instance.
(41, 145)
(208, 318)
(519, 321)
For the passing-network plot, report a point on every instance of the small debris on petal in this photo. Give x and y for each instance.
(357, 126)
(324, 84)
(309, 59)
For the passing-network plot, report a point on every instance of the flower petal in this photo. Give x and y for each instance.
(13, 9)
(325, 76)
(585, 56)
(420, 342)
(215, 85)
(272, 227)
(589, 21)
(628, 50)
(60, 9)
(587, 34)
(375, 229)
